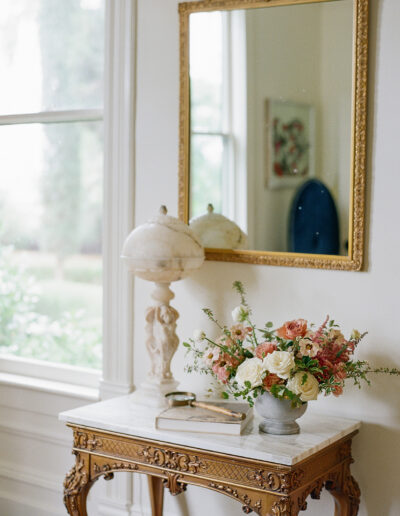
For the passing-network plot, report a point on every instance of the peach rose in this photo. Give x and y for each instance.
(264, 348)
(292, 329)
(226, 359)
(272, 379)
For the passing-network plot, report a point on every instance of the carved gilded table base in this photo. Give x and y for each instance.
(266, 488)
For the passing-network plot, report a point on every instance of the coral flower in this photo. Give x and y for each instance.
(337, 390)
(272, 379)
(221, 372)
(264, 348)
(292, 329)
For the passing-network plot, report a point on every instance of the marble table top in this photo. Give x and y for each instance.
(122, 416)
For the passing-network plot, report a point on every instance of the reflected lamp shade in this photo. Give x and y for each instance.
(217, 231)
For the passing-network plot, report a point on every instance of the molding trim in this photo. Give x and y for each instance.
(119, 165)
(33, 477)
(33, 508)
(119, 156)
(49, 387)
(142, 510)
(48, 438)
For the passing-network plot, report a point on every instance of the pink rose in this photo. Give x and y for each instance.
(292, 329)
(221, 372)
(264, 348)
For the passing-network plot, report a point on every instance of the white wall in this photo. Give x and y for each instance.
(336, 102)
(283, 63)
(366, 300)
(302, 54)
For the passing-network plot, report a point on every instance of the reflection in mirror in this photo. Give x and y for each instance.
(271, 124)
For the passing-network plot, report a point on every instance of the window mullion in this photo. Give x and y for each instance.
(45, 117)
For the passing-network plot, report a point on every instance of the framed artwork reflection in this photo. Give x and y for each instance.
(290, 143)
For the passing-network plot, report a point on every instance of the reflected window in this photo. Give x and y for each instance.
(214, 112)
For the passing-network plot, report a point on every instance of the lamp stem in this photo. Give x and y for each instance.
(162, 340)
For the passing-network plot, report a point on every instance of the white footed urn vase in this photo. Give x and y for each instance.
(278, 416)
(162, 250)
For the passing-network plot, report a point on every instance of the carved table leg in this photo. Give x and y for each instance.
(284, 507)
(76, 486)
(156, 491)
(346, 495)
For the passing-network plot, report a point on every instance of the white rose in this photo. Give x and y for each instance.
(279, 363)
(198, 335)
(355, 335)
(308, 390)
(240, 313)
(251, 370)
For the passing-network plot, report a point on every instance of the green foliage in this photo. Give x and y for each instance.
(330, 363)
(238, 286)
(281, 392)
(73, 339)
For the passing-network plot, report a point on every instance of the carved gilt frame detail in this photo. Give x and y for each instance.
(264, 488)
(354, 260)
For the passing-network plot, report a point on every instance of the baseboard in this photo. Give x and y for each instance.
(113, 508)
(138, 510)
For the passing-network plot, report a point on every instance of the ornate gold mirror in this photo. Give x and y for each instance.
(273, 114)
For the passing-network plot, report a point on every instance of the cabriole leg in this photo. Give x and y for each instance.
(76, 486)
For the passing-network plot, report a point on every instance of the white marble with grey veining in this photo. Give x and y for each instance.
(123, 416)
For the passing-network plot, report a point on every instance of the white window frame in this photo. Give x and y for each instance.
(118, 116)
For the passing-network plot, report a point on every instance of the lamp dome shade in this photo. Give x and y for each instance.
(217, 231)
(163, 249)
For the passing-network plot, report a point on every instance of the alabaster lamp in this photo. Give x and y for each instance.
(162, 250)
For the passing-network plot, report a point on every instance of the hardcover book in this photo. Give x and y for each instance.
(195, 419)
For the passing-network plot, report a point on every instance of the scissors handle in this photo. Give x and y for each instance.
(221, 410)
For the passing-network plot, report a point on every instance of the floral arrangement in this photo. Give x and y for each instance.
(296, 361)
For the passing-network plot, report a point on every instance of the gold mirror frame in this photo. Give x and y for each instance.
(354, 259)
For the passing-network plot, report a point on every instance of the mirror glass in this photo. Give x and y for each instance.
(271, 94)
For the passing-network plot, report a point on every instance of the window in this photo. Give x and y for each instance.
(218, 114)
(51, 157)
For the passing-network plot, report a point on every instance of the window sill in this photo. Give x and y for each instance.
(59, 373)
(50, 386)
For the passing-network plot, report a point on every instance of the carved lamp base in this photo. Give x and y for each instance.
(151, 393)
(161, 343)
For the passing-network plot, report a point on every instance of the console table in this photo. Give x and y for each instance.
(270, 475)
